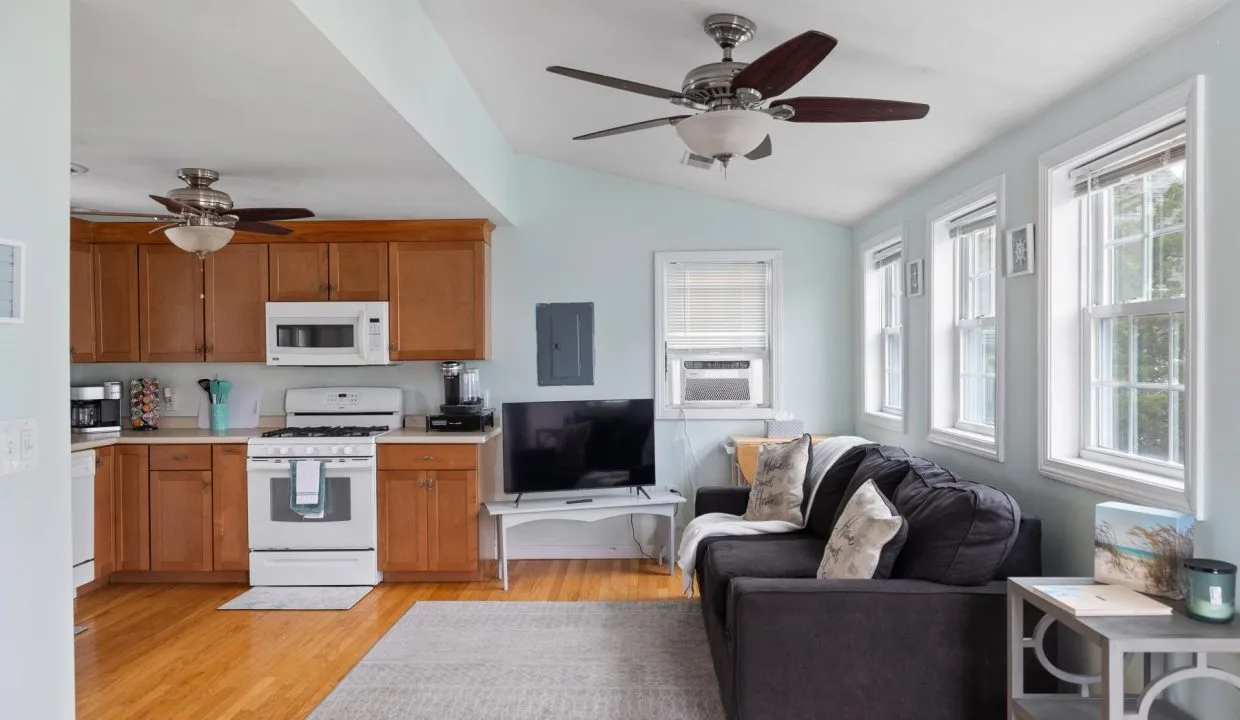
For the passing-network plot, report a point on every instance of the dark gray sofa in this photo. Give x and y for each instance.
(787, 645)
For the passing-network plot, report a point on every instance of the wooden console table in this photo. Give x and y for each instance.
(744, 452)
(656, 501)
(1120, 639)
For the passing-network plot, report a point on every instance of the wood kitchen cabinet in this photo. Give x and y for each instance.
(452, 520)
(105, 511)
(181, 533)
(81, 303)
(402, 521)
(329, 271)
(170, 290)
(439, 300)
(236, 290)
(132, 508)
(115, 288)
(229, 509)
(299, 272)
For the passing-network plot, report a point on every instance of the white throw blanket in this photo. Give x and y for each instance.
(712, 524)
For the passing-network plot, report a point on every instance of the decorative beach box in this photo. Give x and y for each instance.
(1142, 548)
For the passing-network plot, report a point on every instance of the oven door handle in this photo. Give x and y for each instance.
(287, 465)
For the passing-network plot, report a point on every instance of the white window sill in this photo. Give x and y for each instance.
(975, 443)
(1121, 483)
(675, 413)
(887, 421)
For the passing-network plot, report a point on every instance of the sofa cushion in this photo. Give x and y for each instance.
(779, 481)
(866, 540)
(831, 489)
(886, 465)
(959, 533)
(794, 555)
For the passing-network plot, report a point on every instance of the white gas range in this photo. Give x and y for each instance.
(313, 488)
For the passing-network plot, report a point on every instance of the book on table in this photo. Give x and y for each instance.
(1101, 600)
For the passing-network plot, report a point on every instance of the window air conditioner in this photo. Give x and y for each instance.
(715, 382)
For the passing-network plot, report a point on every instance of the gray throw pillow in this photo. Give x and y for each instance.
(779, 482)
(866, 539)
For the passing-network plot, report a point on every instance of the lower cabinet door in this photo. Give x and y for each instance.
(229, 509)
(105, 511)
(402, 520)
(132, 509)
(181, 520)
(452, 520)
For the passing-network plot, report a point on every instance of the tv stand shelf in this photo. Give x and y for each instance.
(603, 505)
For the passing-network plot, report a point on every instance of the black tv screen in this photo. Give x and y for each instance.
(578, 445)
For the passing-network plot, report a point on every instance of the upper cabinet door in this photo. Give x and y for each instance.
(81, 303)
(359, 271)
(299, 272)
(439, 300)
(170, 286)
(236, 295)
(116, 302)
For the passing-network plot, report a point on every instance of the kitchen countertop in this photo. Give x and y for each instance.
(195, 436)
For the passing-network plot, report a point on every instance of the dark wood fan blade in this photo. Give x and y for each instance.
(617, 83)
(763, 150)
(848, 110)
(176, 206)
(261, 227)
(270, 213)
(635, 126)
(778, 70)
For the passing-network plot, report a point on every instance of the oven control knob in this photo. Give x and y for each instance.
(284, 451)
(348, 450)
(335, 450)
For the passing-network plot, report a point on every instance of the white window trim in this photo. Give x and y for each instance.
(664, 411)
(943, 380)
(1061, 350)
(870, 410)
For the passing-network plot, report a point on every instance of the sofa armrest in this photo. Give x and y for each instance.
(730, 499)
(864, 649)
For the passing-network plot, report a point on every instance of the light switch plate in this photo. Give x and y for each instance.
(19, 446)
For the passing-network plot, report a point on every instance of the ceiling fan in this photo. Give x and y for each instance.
(730, 95)
(202, 219)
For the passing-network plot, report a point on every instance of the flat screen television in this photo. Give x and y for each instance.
(578, 445)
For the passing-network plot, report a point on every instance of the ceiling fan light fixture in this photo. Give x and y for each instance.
(724, 133)
(201, 240)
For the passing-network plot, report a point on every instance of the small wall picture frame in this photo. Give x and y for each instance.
(916, 281)
(1020, 244)
(12, 281)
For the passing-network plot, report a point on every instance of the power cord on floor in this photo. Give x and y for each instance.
(640, 549)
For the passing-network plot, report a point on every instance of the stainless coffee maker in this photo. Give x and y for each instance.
(95, 408)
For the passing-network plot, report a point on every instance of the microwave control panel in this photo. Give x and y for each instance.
(374, 333)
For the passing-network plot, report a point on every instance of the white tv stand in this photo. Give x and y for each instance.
(509, 514)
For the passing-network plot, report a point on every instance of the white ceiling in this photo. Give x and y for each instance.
(251, 89)
(983, 66)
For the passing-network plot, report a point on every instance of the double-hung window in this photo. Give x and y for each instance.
(883, 329)
(717, 326)
(965, 327)
(1121, 365)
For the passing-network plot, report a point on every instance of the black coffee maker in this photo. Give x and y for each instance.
(463, 408)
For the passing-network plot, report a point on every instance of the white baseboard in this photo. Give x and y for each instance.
(580, 552)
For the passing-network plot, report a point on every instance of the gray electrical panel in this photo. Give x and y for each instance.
(565, 343)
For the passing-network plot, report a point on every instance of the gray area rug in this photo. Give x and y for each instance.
(526, 660)
(297, 598)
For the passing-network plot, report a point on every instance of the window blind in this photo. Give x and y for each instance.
(1144, 156)
(887, 254)
(717, 306)
(974, 220)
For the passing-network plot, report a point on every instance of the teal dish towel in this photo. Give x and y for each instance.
(309, 488)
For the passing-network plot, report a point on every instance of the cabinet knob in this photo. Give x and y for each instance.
(72, 350)
(421, 483)
(430, 483)
(426, 458)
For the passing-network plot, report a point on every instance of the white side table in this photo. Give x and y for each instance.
(509, 514)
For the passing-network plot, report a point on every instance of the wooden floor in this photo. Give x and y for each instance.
(163, 651)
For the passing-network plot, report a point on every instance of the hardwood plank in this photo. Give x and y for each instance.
(163, 651)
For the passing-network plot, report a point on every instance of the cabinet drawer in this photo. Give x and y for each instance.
(180, 457)
(428, 457)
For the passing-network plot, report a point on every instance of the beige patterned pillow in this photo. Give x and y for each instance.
(866, 539)
(779, 481)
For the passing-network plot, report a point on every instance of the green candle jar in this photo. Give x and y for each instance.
(1211, 590)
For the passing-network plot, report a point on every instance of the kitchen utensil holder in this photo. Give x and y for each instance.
(219, 417)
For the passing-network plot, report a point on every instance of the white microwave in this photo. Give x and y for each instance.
(327, 333)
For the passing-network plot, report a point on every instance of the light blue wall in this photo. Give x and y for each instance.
(36, 645)
(591, 237)
(1210, 49)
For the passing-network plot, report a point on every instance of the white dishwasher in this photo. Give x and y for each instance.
(82, 477)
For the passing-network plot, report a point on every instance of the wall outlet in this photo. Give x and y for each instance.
(170, 399)
(19, 446)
